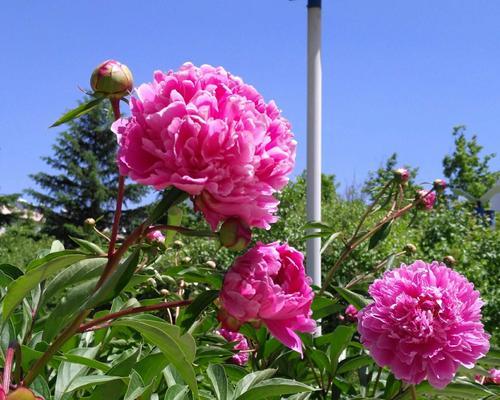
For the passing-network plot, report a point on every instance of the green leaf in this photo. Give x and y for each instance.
(177, 392)
(170, 198)
(218, 378)
(353, 363)
(67, 307)
(90, 381)
(492, 358)
(11, 270)
(392, 387)
(40, 270)
(135, 387)
(174, 219)
(113, 286)
(317, 225)
(116, 389)
(380, 235)
(78, 111)
(89, 246)
(329, 241)
(252, 379)
(274, 387)
(79, 272)
(460, 390)
(202, 301)
(353, 298)
(179, 350)
(68, 372)
(340, 339)
(323, 306)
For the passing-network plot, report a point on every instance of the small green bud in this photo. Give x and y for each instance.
(410, 249)
(164, 292)
(234, 234)
(211, 264)
(112, 79)
(449, 261)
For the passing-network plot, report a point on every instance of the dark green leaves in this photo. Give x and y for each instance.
(353, 298)
(78, 111)
(178, 349)
(201, 302)
(39, 271)
(170, 198)
(114, 285)
(380, 234)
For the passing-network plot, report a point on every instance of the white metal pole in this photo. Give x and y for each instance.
(314, 134)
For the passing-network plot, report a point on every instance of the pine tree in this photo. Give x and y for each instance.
(85, 184)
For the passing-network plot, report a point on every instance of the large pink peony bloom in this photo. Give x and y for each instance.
(241, 356)
(208, 133)
(424, 323)
(268, 284)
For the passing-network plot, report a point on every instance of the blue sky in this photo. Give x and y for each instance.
(398, 75)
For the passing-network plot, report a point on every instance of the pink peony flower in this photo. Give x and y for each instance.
(268, 284)
(209, 134)
(241, 357)
(494, 376)
(424, 323)
(428, 199)
(155, 236)
(351, 312)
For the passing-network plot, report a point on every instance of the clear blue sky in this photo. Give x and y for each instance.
(398, 75)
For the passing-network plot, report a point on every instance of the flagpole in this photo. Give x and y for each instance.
(314, 135)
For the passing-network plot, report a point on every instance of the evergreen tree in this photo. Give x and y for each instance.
(86, 181)
(465, 169)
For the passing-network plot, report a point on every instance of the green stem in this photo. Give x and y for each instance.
(376, 381)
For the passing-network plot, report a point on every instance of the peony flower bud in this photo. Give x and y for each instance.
(401, 175)
(351, 312)
(427, 199)
(88, 226)
(410, 249)
(155, 237)
(164, 292)
(234, 234)
(22, 393)
(439, 185)
(449, 261)
(112, 79)
(240, 346)
(178, 244)
(186, 260)
(211, 264)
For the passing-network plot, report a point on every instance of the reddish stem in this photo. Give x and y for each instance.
(118, 213)
(128, 311)
(7, 370)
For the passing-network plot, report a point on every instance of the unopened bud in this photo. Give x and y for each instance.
(22, 393)
(427, 199)
(234, 234)
(89, 223)
(178, 244)
(164, 292)
(410, 249)
(112, 79)
(439, 185)
(401, 175)
(211, 264)
(152, 282)
(449, 261)
(186, 260)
